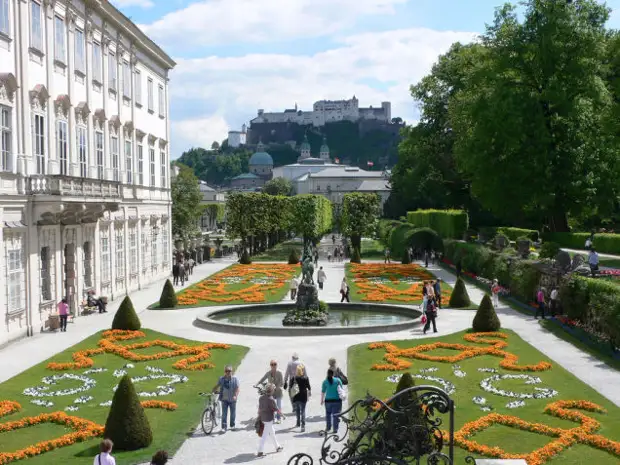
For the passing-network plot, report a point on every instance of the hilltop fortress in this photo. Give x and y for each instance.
(328, 111)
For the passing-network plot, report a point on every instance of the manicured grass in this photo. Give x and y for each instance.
(280, 252)
(239, 284)
(509, 439)
(390, 283)
(170, 428)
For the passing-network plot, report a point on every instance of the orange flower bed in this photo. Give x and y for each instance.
(564, 438)
(83, 358)
(364, 273)
(166, 405)
(83, 429)
(395, 356)
(217, 288)
(8, 406)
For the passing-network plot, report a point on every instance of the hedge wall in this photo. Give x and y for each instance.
(603, 242)
(595, 303)
(398, 235)
(449, 224)
(514, 233)
(521, 276)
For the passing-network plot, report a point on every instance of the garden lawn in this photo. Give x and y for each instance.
(280, 252)
(372, 249)
(170, 428)
(239, 284)
(512, 440)
(390, 283)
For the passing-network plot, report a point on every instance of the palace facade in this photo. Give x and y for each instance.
(84, 158)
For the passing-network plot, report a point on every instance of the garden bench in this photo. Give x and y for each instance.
(86, 309)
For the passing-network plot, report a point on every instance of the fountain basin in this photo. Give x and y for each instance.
(344, 318)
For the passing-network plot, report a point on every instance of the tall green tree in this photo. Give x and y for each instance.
(278, 186)
(426, 174)
(531, 125)
(186, 207)
(310, 216)
(360, 212)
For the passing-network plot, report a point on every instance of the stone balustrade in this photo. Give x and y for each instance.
(72, 186)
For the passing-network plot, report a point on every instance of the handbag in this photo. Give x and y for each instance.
(423, 319)
(294, 388)
(259, 426)
(342, 392)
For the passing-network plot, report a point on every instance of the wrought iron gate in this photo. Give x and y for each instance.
(406, 429)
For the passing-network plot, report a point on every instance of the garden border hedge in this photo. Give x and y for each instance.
(449, 224)
(603, 242)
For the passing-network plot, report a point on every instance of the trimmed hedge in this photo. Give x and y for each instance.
(168, 297)
(398, 235)
(486, 320)
(126, 316)
(603, 242)
(459, 297)
(293, 257)
(595, 303)
(515, 233)
(521, 276)
(449, 224)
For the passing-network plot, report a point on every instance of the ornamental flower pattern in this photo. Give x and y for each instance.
(539, 393)
(376, 282)
(195, 360)
(43, 391)
(395, 356)
(257, 279)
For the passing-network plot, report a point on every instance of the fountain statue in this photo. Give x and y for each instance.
(308, 310)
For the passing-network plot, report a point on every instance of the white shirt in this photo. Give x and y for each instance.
(320, 276)
(294, 283)
(588, 242)
(106, 459)
(343, 286)
(291, 370)
(554, 294)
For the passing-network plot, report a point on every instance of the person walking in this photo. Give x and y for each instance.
(63, 313)
(495, 292)
(589, 242)
(320, 277)
(555, 301)
(229, 392)
(289, 375)
(175, 273)
(330, 397)
(344, 290)
(191, 264)
(294, 285)
(437, 290)
(316, 257)
(267, 408)
(431, 314)
(593, 261)
(426, 254)
(275, 377)
(540, 300)
(337, 371)
(182, 272)
(300, 399)
(104, 457)
(386, 258)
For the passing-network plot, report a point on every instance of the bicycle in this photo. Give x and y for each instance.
(211, 412)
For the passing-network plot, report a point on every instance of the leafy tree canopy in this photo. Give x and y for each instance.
(360, 212)
(186, 198)
(278, 186)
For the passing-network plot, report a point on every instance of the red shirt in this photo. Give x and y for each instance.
(540, 296)
(63, 308)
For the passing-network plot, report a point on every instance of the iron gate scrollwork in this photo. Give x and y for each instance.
(402, 430)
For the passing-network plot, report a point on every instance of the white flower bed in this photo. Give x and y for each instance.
(43, 391)
(447, 385)
(119, 373)
(83, 399)
(71, 408)
(158, 373)
(428, 370)
(107, 403)
(42, 403)
(487, 370)
(515, 404)
(539, 393)
(95, 370)
(479, 400)
(456, 369)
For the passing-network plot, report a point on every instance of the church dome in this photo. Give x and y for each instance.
(261, 157)
(324, 147)
(305, 144)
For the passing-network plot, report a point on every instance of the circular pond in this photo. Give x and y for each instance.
(343, 318)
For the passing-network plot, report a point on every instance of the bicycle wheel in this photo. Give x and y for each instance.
(207, 420)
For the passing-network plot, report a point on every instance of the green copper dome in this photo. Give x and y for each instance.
(261, 157)
(324, 147)
(305, 144)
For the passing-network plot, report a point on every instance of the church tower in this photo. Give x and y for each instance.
(324, 154)
(305, 149)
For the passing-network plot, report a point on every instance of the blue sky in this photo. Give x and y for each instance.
(235, 56)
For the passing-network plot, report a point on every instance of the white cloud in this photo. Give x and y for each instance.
(201, 132)
(130, 3)
(212, 22)
(375, 67)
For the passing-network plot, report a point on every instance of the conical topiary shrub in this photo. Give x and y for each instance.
(355, 256)
(486, 319)
(127, 425)
(245, 258)
(459, 297)
(406, 260)
(293, 258)
(168, 297)
(126, 317)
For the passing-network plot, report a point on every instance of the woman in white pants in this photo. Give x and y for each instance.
(495, 293)
(267, 407)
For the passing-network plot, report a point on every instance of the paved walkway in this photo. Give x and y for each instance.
(240, 446)
(585, 252)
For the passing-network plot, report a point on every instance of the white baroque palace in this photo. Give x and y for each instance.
(327, 111)
(84, 161)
